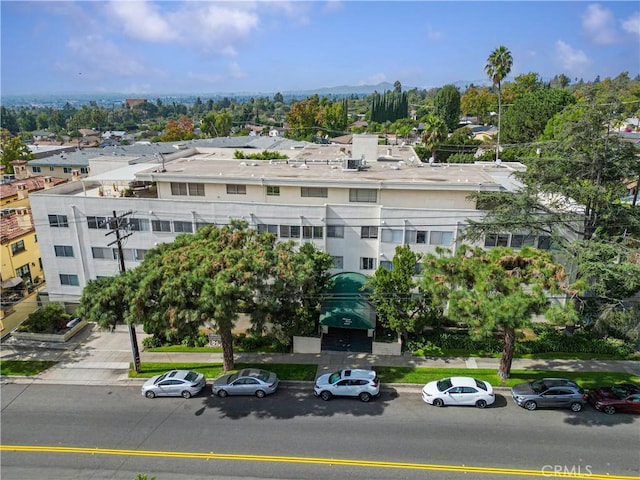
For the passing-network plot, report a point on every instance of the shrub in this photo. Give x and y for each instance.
(49, 319)
(152, 342)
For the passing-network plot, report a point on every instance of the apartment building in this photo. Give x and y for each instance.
(356, 202)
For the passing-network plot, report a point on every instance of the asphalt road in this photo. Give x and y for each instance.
(115, 433)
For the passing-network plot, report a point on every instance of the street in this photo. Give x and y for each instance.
(167, 437)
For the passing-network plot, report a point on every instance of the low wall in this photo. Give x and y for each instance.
(306, 344)
(382, 348)
(50, 337)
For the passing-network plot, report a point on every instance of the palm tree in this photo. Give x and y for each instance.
(497, 68)
(435, 131)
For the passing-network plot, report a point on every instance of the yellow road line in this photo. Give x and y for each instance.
(315, 460)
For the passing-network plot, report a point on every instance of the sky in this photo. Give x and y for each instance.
(138, 47)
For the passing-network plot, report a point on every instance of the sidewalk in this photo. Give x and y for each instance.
(95, 357)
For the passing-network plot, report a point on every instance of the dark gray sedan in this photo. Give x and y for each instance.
(549, 393)
(250, 381)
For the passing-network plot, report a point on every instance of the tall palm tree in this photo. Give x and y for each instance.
(497, 68)
(434, 133)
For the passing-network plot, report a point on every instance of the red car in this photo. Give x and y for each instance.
(624, 397)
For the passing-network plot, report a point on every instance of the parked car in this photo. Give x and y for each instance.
(549, 393)
(250, 381)
(459, 391)
(624, 397)
(174, 383)
(354, 382)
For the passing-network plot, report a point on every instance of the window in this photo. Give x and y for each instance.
(101, 253)
(68, 279)
(318, 192)
(273, 191)
(196, 189)
(363, 195)
(369, 232)
(201, 225)
(290, 231)
(518, 241)
(236, 189)
(67, 169)
(390, 235)
(36, 169)
(544, 242)
(386, 264)
(160, 225)
(84, 170)
(441, 238)
(335, 231)
(139, 254)
(263, 227)
(367, 263)
(63, 250)
(496, 240)
(309, 231)
(23, 271)
(52, 168)
(415, 236)
(97, 222)
(178, 188)
(17, 247)
(182, 227)
(139, 224)
(58, 221)
(338, 262)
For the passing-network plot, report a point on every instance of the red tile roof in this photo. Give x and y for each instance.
(10, 229)
(33, 185)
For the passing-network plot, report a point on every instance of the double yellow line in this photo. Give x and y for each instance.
(314, 460)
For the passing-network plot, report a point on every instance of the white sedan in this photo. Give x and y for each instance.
(458, 391)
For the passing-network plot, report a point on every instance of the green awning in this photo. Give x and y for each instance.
(347, 307)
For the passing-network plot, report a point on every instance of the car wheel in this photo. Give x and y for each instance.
(150, 394)
(186, 394)
(222, 393)
(325, 396)
(530, 405)
(365, 396)
(481, 403)
(260, 393)
(438, 402)
(575, 406)
(609, 409)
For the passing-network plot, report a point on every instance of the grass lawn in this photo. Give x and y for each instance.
(26, 368)
(424, 375)
(284, 371)
(542, 356)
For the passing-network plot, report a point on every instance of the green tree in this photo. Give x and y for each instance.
(8, 120)
(498, 66)
(434, 133)
(496, 292)
(476, 101)
(303, 118)
(12, 148)
(527, 118)
(401, 304)
(212, 276)
(447, 106)
(102, 301)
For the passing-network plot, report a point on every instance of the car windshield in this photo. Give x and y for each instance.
(191, 376)
(264, 375)
(232, 378)
(334, 377)
(161, 377)
(444, 384)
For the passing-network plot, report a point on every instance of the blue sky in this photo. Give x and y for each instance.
(145, 47)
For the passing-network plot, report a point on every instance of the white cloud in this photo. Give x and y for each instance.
(433, 34)
(571, 60)
(632, 24)
(95, 57)
(142, 20)
(599, 25)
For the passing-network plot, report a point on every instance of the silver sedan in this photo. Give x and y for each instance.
(174, 383)
(250, 381)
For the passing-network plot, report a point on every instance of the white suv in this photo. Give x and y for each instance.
(356, 382)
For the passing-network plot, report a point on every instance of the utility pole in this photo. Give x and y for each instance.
(115, 223)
